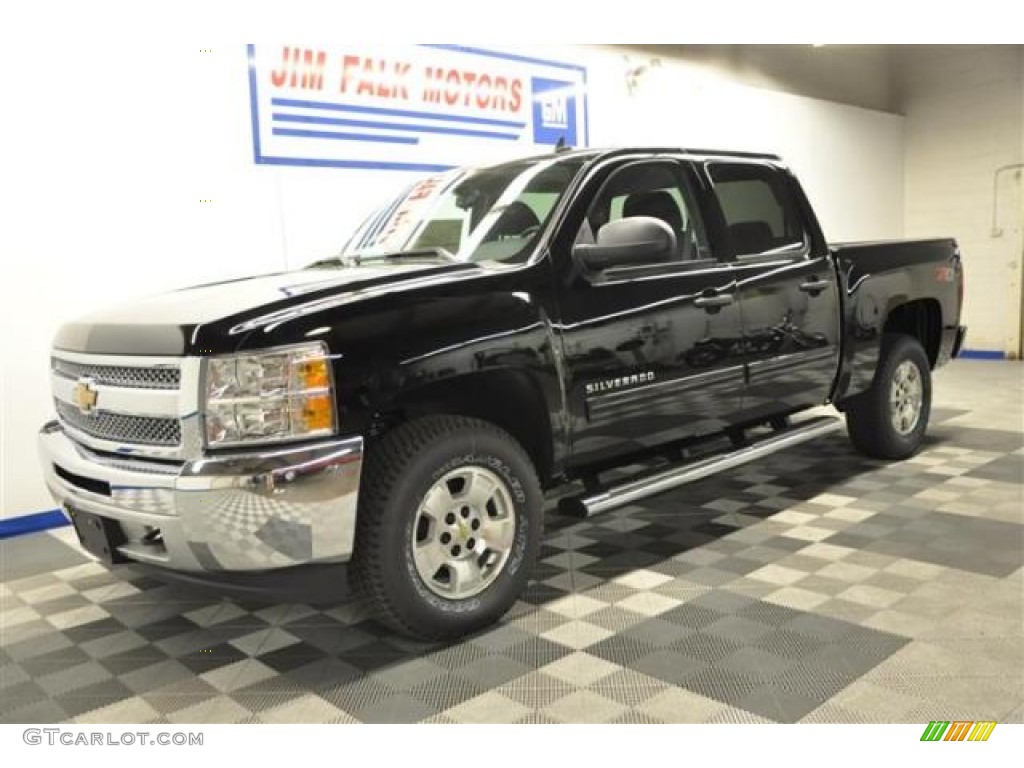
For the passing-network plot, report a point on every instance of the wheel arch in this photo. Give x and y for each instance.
(510, 399)
(921, 319)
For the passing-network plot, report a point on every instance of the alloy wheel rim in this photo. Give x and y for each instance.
(906, 396)
(463, 532)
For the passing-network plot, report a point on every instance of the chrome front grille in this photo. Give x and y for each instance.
(121, 427)
(140, 406)
(140, 377)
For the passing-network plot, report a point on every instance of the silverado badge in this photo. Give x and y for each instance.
(85, 395)
(608, 385)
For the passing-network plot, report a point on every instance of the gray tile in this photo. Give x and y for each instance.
(979, 439)
(756, 663)
(669, 665)
(739, 629)
(720, 684)
(777, 704)
(399, 708)
(34, 711)
(37, 553)
(990, 547)
(658, 633)
(1005, 469)
(495, 671)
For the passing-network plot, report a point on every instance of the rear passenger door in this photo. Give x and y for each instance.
(787, 291)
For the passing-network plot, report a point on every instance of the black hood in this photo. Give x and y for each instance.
(167, 324)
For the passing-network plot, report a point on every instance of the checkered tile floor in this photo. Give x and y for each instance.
(813, 586)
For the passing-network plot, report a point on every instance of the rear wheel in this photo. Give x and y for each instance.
(449, 526)
(889, 420)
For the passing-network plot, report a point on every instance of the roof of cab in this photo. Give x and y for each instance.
(603, 152)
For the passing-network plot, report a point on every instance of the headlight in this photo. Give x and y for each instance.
(282, 394)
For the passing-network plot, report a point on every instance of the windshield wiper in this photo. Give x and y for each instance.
(355, 259)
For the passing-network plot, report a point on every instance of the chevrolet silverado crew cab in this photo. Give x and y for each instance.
(490, 336)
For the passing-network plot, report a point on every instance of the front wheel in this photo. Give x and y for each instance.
(889, 420)
(449, 526)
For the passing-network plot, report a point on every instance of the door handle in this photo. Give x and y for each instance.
(814, 287)
(714, 302)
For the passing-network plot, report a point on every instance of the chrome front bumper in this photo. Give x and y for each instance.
(271, 508)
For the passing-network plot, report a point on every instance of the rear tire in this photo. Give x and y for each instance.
(889, 420)
(449, 526)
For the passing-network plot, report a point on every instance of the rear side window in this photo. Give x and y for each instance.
(760, 214)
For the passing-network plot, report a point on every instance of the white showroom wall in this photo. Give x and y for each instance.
(964, 110)
(131, 172)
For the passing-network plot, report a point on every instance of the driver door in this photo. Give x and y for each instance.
(650, 350)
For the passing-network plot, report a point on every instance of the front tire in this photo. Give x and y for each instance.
(449, 526)
(889, 420)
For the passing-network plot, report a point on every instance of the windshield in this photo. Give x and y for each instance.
(475, 214)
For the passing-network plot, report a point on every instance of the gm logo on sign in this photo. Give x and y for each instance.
(960, 730)
(554, 111)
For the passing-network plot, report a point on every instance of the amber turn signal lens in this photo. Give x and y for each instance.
(317, 413)
(314, 374)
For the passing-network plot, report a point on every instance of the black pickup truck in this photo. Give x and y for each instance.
(491, 335)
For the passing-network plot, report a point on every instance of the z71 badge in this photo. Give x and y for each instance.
(610, 385)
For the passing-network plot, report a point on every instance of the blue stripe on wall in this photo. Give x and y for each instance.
(380, 139)
(445, 117)
(284, 117)
(981, 354)
(41, 521)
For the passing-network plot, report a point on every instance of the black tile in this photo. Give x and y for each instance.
(715, 529)
(131, 660)
(291, 657)
(164, 628)
(93, 629)
(216, 656)
(324, 673)
(538, 593)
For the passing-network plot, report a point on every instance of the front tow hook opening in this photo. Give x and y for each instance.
(153, 537)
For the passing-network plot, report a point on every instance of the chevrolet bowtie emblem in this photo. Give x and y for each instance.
(85, 395)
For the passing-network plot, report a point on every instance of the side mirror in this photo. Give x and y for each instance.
(627, 242)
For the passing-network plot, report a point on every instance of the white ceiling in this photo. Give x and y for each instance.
(871, 76)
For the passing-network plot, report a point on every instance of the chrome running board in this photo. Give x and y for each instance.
(666, 479)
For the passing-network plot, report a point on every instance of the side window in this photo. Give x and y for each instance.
(760, 215)
(649, 188)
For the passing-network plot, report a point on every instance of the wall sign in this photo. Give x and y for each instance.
(423, 108)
